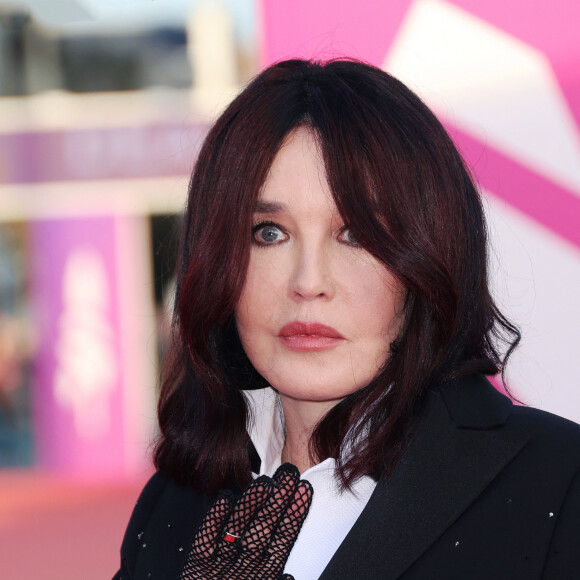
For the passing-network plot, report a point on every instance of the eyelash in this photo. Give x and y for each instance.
(346, 228)
(257, 227)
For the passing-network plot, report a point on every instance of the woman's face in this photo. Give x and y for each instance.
(317, 312)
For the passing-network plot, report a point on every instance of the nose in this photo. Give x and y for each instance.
(312, 277)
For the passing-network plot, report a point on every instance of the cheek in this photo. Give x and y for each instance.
(377, 296)
(380, 318)
(391, 307)
(257, 301)
(246, 313)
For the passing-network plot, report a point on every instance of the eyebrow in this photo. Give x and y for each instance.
(269, 207)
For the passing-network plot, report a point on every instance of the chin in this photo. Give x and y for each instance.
(317, 393)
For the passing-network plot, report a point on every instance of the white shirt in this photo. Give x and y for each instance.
(332, 512)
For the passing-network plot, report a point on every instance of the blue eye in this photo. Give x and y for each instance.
(266, 234)
(347, 236)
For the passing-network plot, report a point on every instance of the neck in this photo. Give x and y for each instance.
(301, 418)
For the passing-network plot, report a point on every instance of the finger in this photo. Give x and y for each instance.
(209, 532)
(261, 528)
(283, 471)
(244, 510)
(289, 525)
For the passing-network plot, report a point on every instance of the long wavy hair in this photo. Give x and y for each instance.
(401, 185)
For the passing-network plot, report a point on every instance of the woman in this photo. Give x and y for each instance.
(333, 312)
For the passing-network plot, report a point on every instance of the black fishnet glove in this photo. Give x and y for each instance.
(263, 524)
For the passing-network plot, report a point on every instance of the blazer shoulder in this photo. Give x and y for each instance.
(553, 442)
(474, 403)
(554, 449)
(140, 517)
(161, 529)
(548, 426)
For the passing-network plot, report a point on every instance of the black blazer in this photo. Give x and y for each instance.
(484, 491)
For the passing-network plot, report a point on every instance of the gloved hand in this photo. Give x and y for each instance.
(252, 538)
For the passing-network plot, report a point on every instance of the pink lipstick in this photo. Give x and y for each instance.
(309, 336)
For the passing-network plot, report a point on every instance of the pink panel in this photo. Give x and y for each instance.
(329, 28)
(78, 372)
(365, 29)
(548, 25)
(546, 202)
(99, 153)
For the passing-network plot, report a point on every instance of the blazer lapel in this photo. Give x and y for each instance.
(460, 445)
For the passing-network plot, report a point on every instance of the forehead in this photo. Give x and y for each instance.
(297, 176)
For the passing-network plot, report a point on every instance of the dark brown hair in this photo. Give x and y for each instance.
(400, 184)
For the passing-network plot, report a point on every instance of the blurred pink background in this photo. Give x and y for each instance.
(103, 107)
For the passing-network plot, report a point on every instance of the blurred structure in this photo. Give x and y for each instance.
(102, 113)
(16, 351)
(212, 42)
(104, 106)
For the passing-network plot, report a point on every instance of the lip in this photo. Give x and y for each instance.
(309, 336)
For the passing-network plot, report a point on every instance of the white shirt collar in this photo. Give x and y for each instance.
(266, 428)
(332, 512)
